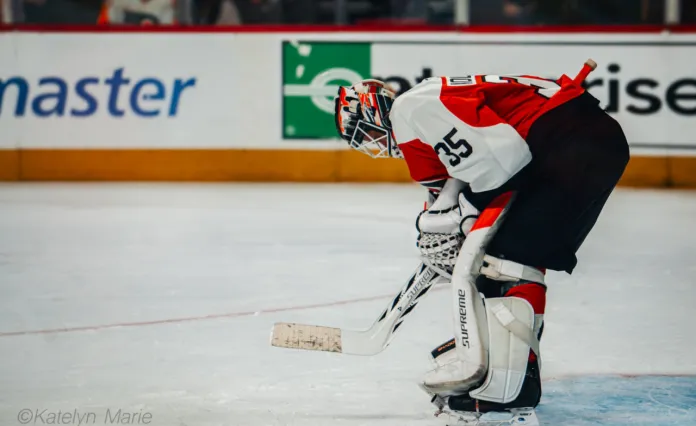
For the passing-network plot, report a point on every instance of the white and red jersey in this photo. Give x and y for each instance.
(473, 128)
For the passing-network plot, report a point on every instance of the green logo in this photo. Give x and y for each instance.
(312, 72)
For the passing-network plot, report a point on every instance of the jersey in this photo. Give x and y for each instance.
(473, 128)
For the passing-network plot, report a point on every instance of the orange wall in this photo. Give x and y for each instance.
(264, 166)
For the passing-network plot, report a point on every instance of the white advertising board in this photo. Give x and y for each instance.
(274, 90)
(117, 90)
(650, 89)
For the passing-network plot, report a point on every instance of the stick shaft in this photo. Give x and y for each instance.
(587, 68)
(359, 342)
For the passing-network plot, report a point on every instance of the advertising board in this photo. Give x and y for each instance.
(649, 87)
(258, 106)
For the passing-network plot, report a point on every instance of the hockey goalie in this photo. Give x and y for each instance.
(518, 169)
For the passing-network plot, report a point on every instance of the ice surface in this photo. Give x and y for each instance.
(160, 298)
(619, 401)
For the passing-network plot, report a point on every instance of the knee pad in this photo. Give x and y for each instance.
(511, 335)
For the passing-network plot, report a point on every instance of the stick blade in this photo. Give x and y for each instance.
(307, 337)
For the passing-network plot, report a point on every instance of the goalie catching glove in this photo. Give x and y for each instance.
(443, 227)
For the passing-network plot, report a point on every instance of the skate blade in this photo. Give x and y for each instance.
(514, 417)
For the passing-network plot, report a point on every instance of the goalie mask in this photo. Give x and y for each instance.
(362, 118)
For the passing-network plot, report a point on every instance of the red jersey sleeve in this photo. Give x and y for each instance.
(424, 165)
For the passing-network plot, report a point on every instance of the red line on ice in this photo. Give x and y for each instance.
(196, 318)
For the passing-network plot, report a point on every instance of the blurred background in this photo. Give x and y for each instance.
(350, 12)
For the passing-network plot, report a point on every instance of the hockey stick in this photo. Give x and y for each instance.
(587, 68)
(359, 342)
(375, 339)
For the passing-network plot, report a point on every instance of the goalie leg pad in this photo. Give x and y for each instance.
(511, 335)
(452, 375)
(466, 366)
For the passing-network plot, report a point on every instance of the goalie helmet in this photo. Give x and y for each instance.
(362, 118)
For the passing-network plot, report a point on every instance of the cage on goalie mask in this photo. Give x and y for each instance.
(362, 118)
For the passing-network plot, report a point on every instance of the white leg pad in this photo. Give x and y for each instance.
(453, 375)
(464, 367)
(511, 335)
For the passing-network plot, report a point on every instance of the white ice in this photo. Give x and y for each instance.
(107, 293)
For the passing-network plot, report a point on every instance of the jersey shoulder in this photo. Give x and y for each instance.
(434, 103)
(420, 94)
(412, 109)
(434, 89)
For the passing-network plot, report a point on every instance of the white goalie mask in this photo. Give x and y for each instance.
(362, 118)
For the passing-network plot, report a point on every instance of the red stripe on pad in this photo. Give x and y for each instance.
(533, 293)
(489, 215)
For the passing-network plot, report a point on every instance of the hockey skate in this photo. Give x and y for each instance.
(463, 410)
(511, 417)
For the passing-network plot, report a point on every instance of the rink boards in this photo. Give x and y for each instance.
(257, 106)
